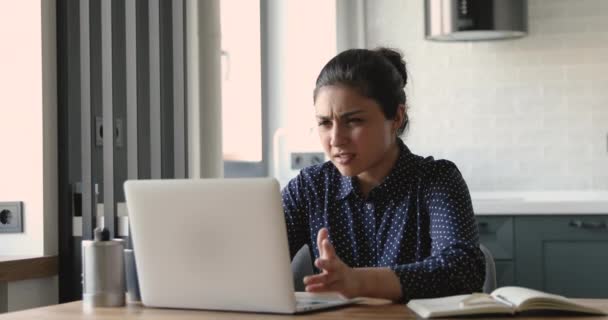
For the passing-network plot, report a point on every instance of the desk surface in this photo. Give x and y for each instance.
(74, 310)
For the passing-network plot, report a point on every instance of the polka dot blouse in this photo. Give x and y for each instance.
(419, 222)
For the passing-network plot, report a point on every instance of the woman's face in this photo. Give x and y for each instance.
(354, 132)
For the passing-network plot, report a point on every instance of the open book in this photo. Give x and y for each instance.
(505, 300)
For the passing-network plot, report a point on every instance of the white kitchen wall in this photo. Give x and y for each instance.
(526, 114)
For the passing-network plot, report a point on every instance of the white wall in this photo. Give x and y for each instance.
(28, 143)
(21, 114)
(528, 114)
(27, 127)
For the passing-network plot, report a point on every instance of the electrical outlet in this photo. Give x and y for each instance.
(118, 132)
(98, 131)
(300, 160)
(11, 217)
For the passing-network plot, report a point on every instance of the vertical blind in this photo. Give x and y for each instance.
(139, 98)
(132, 99)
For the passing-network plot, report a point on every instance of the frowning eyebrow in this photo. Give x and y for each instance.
(342, 116)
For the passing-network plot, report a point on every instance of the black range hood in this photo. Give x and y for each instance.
(475, 20)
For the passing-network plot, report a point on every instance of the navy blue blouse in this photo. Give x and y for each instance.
(419, 222)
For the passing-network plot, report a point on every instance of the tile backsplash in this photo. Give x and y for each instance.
(525, 114)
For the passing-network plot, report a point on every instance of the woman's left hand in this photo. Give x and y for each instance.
(336, 275)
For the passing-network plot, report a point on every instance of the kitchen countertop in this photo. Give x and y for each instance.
(16, 268)
(540, 202)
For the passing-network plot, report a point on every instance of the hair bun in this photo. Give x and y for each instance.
(396, 59)
(378, 74)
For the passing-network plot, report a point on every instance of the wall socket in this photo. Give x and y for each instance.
(118, 132)
(300, 160)
(11, 217)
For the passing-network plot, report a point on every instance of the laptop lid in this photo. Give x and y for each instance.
(211, 244)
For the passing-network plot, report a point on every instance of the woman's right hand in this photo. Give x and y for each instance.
(336, 275)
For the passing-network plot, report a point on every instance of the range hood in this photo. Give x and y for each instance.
(475, 20)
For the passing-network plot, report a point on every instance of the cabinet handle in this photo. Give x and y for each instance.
(588, 225)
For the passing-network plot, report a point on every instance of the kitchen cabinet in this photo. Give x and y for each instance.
(567, 255)
(562, 254)
(496, 233)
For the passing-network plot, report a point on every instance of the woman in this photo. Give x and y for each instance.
(381, 221)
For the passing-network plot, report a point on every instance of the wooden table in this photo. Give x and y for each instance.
(74, 310)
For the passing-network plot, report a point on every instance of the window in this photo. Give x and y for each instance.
(241, 88)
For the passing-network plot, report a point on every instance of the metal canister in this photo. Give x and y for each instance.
(103, 281)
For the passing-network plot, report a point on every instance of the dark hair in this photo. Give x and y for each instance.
(378, 74)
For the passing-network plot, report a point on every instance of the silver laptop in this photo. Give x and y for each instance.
(218, 244)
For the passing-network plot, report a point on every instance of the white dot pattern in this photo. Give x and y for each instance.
(419, 222)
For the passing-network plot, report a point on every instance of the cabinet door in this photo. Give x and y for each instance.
(496, 233)
(566, 255)
(505, 273)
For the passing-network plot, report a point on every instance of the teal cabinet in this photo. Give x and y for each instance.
(562, 254)
(505, 273)
(567, 255)
(496, 233)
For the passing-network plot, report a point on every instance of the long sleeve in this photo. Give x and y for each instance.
(419, 222)
(296, 219)
(456, 264)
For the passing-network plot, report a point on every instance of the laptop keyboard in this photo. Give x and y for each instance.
(308, 302)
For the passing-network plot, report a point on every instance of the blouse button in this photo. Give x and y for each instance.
(369, 206)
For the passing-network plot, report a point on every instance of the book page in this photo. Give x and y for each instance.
(529, 299)
(458, 305)
(517, 296)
